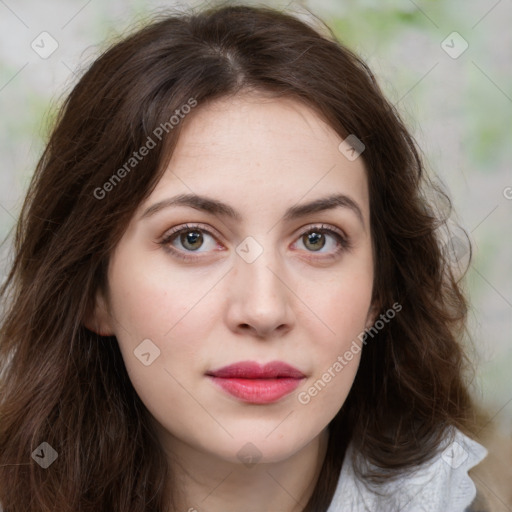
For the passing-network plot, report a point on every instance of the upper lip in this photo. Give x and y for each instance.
(254, 370)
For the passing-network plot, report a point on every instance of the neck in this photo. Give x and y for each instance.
(206, 483)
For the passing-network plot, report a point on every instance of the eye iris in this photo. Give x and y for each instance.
(314, 237)
(191, 237)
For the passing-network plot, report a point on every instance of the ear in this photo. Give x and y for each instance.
(99, 319)
(372, 314)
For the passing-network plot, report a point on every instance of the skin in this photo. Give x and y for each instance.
(293, 303)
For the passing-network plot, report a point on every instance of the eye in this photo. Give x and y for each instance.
(316, 239)
(189, 238)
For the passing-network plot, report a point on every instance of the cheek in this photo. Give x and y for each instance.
(148, 306)
(342, 305)
(173, 311)
(148, 302)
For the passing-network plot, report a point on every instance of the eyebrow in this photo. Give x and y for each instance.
(218, 208)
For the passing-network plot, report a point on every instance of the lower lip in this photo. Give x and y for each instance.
(258, 391)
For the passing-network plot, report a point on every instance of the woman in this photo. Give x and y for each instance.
(229, 291)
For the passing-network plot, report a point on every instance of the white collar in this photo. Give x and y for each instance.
(438, 485)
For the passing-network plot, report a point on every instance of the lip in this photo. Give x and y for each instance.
(258, 384)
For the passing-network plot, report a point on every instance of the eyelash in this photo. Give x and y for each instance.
(344, 243)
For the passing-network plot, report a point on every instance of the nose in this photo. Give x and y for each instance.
(259, 297)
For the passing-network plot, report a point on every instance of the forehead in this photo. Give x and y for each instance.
(255, 150)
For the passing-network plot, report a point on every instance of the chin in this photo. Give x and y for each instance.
(254, 447)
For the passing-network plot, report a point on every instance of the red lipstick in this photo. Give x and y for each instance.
(253, 383)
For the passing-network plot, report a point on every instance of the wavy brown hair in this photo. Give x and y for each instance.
(67, 386)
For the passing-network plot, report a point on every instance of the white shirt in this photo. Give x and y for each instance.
(440, 485)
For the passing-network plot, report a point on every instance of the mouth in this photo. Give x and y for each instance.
(253, 383)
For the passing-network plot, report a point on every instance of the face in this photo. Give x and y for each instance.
(194, 287)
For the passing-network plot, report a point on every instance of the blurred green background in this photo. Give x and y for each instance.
(456, 100)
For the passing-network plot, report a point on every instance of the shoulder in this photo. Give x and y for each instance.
(438, 485)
